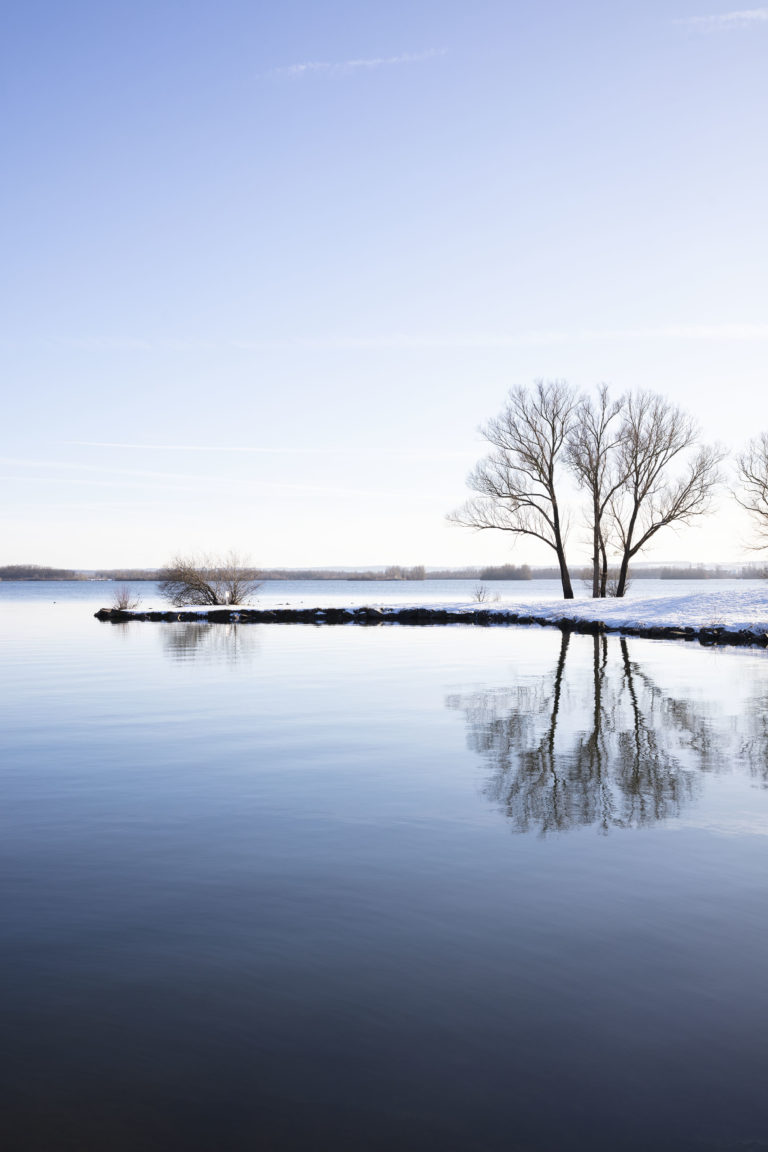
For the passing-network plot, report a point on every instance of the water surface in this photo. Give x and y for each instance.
(354, 593)
(307, 888)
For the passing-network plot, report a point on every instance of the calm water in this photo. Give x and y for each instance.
(343, 888)
(319, 593)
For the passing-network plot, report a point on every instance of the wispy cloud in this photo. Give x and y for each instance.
(362, 64)
(728, 333)
(257, 450)
(734, 332)
(125, 344)
(207, 448)
(67, 466)
(80, 482)
(538, 337)
(743, 18)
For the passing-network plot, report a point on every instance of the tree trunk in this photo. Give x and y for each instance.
(595, 549)
(623, 574)
(628, 551)
(565, 577)
(603, 569)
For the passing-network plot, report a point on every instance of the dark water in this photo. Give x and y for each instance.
(296, 888)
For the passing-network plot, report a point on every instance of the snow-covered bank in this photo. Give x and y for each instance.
(713, 617)
(734, 611)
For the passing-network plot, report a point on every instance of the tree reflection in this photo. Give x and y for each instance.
(226, 642)
(753, 748)
(605, 746)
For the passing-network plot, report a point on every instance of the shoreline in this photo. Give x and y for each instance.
(422, 616)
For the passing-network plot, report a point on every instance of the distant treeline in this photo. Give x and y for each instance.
(126, 574)
(507, 572)
(396, 572)
(36, 572)
(696, 572)
(646, 572)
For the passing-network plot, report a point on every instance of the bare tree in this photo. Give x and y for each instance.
(206, 582)
(517, 482)
(752, 471)
(593, 456)
(654, 434)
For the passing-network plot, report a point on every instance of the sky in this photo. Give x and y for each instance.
(269, 268)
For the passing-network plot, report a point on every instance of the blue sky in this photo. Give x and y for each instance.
(268, 267)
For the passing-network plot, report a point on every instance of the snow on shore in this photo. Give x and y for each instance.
(734, 611)
(731, 610)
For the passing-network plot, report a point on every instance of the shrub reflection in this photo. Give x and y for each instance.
(219, 642)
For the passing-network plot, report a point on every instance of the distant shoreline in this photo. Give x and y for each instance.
(651, 573)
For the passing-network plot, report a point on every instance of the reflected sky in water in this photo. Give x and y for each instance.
(371, 888)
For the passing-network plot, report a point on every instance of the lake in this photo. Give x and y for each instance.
(353, 593)
(292, 888)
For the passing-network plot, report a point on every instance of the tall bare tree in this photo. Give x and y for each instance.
(593, 456)
(654, 435)
(752, 471)
(206, 582)
(517, 483)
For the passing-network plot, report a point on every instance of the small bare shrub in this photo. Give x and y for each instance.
(125, 599)
(482, 594)
(205, 582)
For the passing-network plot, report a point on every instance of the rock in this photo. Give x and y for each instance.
(369, 615)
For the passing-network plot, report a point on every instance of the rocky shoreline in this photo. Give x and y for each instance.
(370, 616)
